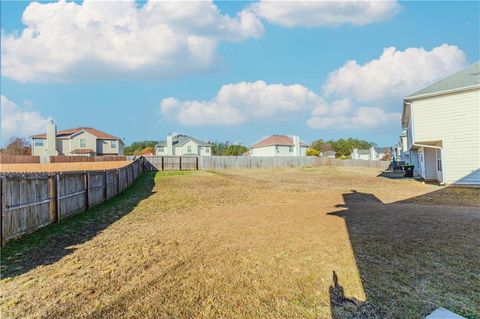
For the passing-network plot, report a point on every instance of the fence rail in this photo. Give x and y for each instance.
(30, 201)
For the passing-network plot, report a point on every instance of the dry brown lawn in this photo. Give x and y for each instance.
(61, 167)
(255, 244)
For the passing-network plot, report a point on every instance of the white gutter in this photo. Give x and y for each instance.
(441, 158)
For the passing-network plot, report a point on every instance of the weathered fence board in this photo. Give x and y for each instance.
(34, 200)
(72, 194)
(171, 163)
(96, 185)
(25, 203)
(112, 183)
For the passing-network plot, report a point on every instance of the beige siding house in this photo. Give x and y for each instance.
(180, 144)
(76, 141)
(279, 145)
(442, 123)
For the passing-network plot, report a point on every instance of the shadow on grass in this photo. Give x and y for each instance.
(48, 245)
(412, 257)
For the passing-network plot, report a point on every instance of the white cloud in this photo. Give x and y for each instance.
(65, 40)
(377, 87)
(394, 74)
(240, 102)
(362, 118)
(325, 13)
(18, 121)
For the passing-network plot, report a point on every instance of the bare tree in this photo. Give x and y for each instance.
(18, 146)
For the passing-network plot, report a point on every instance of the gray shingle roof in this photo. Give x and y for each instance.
(180, 139)
(470, 76)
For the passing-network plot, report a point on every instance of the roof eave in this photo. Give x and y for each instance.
(421, 96)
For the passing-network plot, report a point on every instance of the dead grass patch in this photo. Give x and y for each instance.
(260, 244)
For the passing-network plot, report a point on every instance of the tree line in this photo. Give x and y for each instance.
(342, 147)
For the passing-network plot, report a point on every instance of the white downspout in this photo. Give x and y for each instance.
(441, 158)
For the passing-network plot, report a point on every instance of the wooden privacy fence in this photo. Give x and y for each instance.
(235, 162)
(33, 200)
(80, 158)
(165, 163)
(18, 159)
(326, 161)
(171, 163)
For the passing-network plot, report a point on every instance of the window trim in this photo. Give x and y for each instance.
(85, 144)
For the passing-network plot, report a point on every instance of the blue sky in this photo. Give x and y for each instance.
(307, 87)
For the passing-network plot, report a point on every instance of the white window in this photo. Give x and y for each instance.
(189, 149)
(160, 149)
(38, 142)
(207, 150)
(83, 143)
(290, 149)
(113, 144)
(276, 149)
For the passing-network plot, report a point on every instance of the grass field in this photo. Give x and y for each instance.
(61, 167)
(254, 244)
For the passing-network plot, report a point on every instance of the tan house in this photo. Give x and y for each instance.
(76, 141)
(442, 123)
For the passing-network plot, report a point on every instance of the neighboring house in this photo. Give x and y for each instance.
(330, 154)
(76, 141)
(362, 154)
(400, 151)
(279, 145)
(180, 144)
(443, 128)
(373, 154)
(382, 153)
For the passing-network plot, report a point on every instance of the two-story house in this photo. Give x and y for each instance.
(180, 144)
(279, 145)
(442, 123)
(76, 141)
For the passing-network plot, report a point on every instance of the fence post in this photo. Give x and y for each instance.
(87, 189)
(105, 191)
(57, 197)
(163, 164)
(180, 162)
(118, 181)
(52, 190)
(196, 163)
(3, 206)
